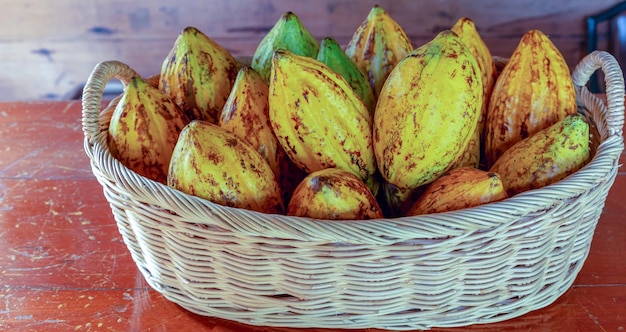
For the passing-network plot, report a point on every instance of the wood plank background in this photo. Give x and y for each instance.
(48, 49)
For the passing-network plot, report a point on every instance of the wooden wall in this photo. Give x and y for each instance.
(48, 48)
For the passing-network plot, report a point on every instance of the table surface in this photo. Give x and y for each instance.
(63, 265)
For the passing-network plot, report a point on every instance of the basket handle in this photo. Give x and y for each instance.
(614, 83)
(94, 89)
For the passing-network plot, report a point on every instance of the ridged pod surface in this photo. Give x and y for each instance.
(459, 188)
(198, 75)
(377, 45)
(288, 33)
(466, 30)
(144, 129)
(336, 59)
(545, 157)
(427, 112)
(318, 119)
(212, 163)
(333, 194)
(533, 91)
(246, 114)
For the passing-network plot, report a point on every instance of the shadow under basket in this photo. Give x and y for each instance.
(478, 265)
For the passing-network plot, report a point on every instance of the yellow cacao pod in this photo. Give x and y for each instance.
(377, 46)
(459, 188)
(545, 157)
(212, 163)
(427, 111)
(333, 194)
(144, 128)
(533, 91)
(466, 29)
(246, 114)
(198, 74)
(317, 117)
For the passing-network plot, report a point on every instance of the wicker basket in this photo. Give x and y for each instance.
(478, 265)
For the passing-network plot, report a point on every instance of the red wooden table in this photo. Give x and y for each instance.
(63, 266)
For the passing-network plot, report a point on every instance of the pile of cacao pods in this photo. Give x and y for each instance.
(376, 129)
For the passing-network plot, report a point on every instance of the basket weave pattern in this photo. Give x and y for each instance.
(478, 265)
